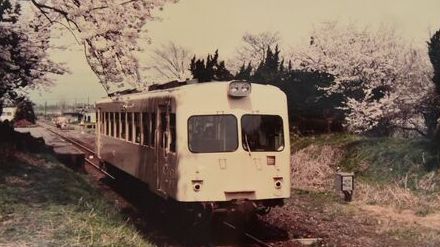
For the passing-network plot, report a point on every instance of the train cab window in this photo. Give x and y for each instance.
(117, 120)
(123, 124)
(137, 127)
(112, 123)
(262, 133)
(213, 133)
(130, 126)
(173, 132)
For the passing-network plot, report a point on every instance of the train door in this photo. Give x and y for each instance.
(163, 112)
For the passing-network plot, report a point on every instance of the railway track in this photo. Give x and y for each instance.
(247, 235)
(92, 160)
(90, 155)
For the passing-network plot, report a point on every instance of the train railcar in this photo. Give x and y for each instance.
(219, 144)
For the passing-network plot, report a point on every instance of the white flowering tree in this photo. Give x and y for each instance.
(382, 78)
(109, 31)
(24, 61)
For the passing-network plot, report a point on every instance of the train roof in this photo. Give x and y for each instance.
(194, 89)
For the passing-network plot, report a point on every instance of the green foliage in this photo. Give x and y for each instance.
(244, 73)
(391, 159)
(25, 111)
(23, 52)
(270, 70)
(213, 69)
(380, 160)
(434, 56)
(432, 112)
(10, 43)
(337, 139)
(310, 108)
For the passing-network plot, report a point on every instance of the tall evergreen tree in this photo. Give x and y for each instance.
(434, 56)
(310, 109)
(270, 69)
(25, 111)
(244, 73)
(432, 111)
(213, 69)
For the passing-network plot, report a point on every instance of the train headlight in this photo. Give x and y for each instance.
(278, 181)
(197, 185)
(239, 88)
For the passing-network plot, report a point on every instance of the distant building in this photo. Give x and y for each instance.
(72, 117)
(89, 117)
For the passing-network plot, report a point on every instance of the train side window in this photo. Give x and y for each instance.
(147, 127)
(106, 117)
(173, 132)
(153, 129)
(112, 124)
(117, 120)
(100, 122)
(137, 127)
(163, 128)
(103, 122)
(130, 126)
(96, 117)
(123, 129)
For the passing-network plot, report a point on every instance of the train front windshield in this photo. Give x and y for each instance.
(218, 133)
(211, 134)
(262, 133)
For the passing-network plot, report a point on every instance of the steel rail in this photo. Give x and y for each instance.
(248, 235)
(81, 146)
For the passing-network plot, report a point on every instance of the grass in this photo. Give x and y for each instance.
(397, 172)
(380, 160)
(42, 203)
(338, 139)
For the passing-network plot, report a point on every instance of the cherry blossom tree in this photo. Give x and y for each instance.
(24, 61)
(382, 78)
(109, 31)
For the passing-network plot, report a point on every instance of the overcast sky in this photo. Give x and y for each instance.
(206, 25)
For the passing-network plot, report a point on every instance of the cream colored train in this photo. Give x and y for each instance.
(218, 144)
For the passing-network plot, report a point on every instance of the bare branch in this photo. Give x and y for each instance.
(411, 129)
(42, 8)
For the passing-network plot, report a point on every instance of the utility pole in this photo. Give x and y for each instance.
(45, 109)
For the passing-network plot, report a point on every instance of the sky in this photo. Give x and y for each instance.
(206, 25)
